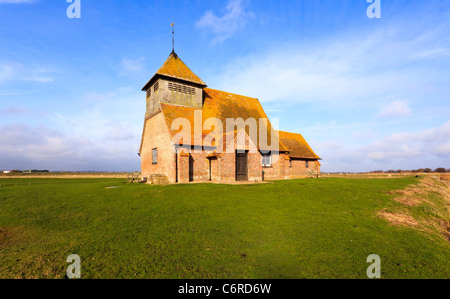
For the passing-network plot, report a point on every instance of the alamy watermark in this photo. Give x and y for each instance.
(374, 270)
(374, 10)
(212, 135)
(74, 270)
(74, 9)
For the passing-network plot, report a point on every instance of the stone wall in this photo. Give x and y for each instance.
(156, 135)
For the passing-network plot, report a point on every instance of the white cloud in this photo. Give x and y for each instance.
(415, 145)
(25, 147)
(104, 133)
(7, 72)
(351, 69)
(98, 97)
(10, 72)
(404, 150)
(14, 111)
(131, 65)
(17, 1)
(396, 108)
(120, 132)
(224, 27)
(431, 53)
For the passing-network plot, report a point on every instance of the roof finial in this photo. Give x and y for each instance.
(173, 37)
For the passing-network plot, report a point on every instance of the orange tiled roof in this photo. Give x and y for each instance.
(174, 67)
(297, 146)
(223, 105)
(173, 112)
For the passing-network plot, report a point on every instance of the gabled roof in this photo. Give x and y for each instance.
(297, 146)
(175, 68)
(223, 105)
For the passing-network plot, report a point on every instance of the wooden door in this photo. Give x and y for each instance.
(241, 167)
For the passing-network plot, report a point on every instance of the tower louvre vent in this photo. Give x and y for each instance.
(181, 88)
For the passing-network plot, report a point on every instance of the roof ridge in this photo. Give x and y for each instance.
(227, 92)
(290, 132)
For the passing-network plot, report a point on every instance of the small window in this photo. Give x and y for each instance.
(307, 164)
(155, 156)
(267, 160)
(290, 163)
(156, 87)
(149, 92)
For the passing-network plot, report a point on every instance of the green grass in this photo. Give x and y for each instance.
(323, 228)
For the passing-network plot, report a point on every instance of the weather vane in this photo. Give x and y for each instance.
(173, 37)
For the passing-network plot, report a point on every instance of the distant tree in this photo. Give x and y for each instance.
(427, 170)
(391, 171)
(399, 171)
(440, 169)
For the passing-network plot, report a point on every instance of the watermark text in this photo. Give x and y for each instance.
(74, 9)
(374, 9)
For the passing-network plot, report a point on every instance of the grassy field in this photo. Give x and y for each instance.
(322, 228)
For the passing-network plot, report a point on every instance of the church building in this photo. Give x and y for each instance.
(187, 136)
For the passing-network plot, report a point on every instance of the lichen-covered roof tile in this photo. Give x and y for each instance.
(176, 68)
(223, 105)
(297, 146)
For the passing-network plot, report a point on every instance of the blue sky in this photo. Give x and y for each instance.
(366, 93)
